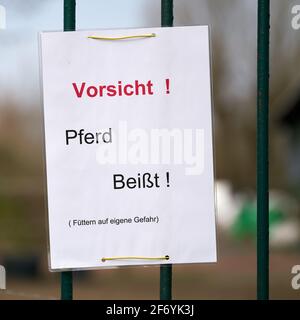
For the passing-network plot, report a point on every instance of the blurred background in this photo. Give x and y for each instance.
(23, 240)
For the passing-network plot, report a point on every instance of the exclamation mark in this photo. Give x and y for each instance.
(168, 179)
(167, 86)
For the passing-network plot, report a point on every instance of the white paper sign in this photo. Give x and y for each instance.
(128, 138)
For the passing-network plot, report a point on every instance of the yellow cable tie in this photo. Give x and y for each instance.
(148, 35)
(135, 258)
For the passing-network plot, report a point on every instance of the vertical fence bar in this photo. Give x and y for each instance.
(263, 36)
(166, 282)
(66, 287)
(69, 15)
(166, 269)
(167, 13)
(69, 25)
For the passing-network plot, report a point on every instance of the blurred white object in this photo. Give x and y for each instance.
(285, 234)
(228, 205)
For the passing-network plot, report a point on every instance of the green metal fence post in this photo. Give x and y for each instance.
(263, 35)
(69, 15)
(66, 285)
(167, 13)
(166, 282)
(69, 25)
(166, 269)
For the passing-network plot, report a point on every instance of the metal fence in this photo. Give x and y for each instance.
(263, 35)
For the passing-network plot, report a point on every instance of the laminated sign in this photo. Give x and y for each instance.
(128, 143)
